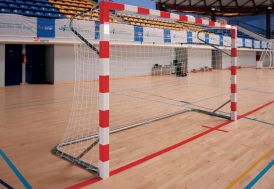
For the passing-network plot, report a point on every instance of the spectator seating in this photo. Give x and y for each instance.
(38, 8)
(69, 8)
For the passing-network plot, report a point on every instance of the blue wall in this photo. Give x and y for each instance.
(141, 3)
(254, 23)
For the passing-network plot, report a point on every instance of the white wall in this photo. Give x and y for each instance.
(2, 65)
(198, 58)
(245, 59)
(138, 60)
(63, 63)
(226, 60)
(125, 61)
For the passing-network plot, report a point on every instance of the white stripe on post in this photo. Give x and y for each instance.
(205, 22)
(104, 33)
(104, 136)
(103, 101)
(153, 12)
(131, 8)
(191, 19)
(234, 98)
(233, 79)
(217, 24)
(228, 26)
(104, 66)
(233, 115)
(104, 169)
(233, 42)
(174, 16)
(234, 61)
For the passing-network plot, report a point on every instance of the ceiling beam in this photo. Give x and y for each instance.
(229, 3)
(237, 4)
(248, 1)
(181, 2)
(213, 3)
(262, 2)
(197, 2)
(220, 2)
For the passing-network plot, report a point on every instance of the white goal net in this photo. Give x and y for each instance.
(147, 81)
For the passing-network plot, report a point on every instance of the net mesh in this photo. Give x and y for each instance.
(267, 56)
(145, 85)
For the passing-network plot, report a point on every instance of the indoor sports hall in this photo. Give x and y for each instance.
(147, 94)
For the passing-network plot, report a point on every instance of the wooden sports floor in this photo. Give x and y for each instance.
(186, 151)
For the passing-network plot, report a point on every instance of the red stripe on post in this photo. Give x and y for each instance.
(198, 21)
(233, 34)
(164, 14)
(183, 18)
(234, 52)
(223, 25)
(104, 118)
(104, 152)
(211, 24)
(116, 6)
(233, 70)
(143, 10)
(104, 49)
(233, 88)
(104, 12)
(103, 83)
(233, 106)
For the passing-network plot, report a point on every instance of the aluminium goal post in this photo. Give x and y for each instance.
(104, 49)
(137, 98)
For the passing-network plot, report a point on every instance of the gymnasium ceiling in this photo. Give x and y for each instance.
(221, 7)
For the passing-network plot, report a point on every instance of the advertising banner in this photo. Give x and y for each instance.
(16, 25)
(178, 36)
(153, 35)
(121, 32)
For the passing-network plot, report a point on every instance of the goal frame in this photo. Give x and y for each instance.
(104, 58)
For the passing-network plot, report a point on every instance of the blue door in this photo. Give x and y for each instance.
(13, 64)
(35, 65)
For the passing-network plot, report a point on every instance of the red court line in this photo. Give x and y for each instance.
(144, 159)
(255, 110)
(216, 129)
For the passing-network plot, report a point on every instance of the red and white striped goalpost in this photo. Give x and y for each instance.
(233, 88)
(104, 55)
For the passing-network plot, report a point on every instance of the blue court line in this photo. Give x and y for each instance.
(15, 170)
(260, 175)
(5, 184)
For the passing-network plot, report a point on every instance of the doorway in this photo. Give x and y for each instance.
(216, 59)
(35, 64)
(13, 64)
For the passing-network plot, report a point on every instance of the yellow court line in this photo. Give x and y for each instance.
(246, 172)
